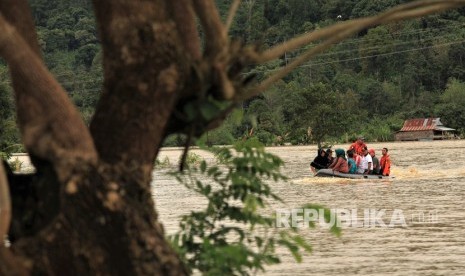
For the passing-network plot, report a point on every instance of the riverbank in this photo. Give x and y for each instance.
(396, 150)
(21, 163)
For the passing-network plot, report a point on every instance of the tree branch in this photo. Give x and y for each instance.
(280, 49)
(231, 14)
(216, 40)
(145, 68)
(51, 127)
(184, 16)
(5, 205)
(342, 31)
(18, 14)
(9, 265)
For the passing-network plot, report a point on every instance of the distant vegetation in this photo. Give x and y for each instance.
(366, 85)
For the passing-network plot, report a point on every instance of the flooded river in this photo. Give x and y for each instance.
(428, 190)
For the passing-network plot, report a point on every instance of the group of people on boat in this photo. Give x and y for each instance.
(357, 159)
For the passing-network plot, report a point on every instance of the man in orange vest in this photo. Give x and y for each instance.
(385, 163)
(358, 146)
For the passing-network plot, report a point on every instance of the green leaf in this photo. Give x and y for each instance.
(223, 237)
(208, 189)
(300, 241)
(208, 110)
(203, 166)
(293, 249)
(190, 110)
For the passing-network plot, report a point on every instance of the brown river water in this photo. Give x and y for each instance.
(428, 189)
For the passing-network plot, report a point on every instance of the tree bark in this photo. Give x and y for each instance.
(107, 225)
(143, 75)
(104, 221)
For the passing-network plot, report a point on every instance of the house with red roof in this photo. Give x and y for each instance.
(424, 129)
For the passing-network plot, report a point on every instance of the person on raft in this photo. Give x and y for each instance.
(340, 162)
(320, 162)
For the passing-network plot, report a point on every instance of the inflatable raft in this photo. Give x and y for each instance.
(331, 173)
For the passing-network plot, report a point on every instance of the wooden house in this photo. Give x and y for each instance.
(424, 129)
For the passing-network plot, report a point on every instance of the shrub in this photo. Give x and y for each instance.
(232, 236)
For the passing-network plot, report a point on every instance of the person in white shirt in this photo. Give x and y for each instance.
(366, 166)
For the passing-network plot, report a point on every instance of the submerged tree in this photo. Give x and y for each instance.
(88, 209)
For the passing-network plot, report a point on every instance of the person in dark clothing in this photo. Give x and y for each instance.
(320, 161)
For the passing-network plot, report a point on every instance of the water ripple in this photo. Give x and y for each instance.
(429, 189)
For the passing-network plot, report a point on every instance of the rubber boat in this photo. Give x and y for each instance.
(331, 173)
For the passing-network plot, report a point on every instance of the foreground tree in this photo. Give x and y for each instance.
(88, 209)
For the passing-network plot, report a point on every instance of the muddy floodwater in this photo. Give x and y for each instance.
(428, 192)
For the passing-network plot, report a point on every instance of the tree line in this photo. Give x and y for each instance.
(368, 84)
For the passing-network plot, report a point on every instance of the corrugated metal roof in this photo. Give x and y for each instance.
(442, 128)
(420, 124)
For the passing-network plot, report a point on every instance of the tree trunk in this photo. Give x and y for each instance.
(107, 225)
(88, 210)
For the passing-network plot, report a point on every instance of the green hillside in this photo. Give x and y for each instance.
(368, 84)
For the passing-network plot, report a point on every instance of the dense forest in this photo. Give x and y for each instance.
(368, 84)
